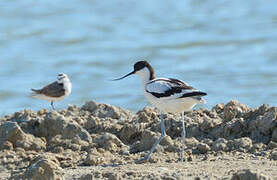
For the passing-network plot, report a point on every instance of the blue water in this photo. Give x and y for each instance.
(226, 48)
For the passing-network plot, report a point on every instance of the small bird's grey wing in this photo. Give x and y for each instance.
(53, 90)
(36, 91)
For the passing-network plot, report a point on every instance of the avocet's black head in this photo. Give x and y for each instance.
(140, 65)
(140, 68)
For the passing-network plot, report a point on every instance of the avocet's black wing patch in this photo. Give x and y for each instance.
(195, 93)
(173, 88)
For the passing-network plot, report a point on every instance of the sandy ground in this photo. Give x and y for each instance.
(101, 141)
(221, 167)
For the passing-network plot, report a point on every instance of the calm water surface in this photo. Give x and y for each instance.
(226, 48)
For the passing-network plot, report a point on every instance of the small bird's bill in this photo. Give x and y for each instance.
(124, 76)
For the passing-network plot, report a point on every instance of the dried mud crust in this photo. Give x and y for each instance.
(103, 141)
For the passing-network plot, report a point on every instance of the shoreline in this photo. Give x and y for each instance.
(99, 141)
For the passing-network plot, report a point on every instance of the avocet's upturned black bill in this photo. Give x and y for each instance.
(55, 91)
(124, 76)
(168, 95)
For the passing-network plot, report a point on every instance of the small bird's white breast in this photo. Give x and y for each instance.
(68, 87)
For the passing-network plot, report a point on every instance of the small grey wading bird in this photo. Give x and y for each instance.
(55, 91)
(168, 95)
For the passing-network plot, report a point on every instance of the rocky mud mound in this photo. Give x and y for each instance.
(100, 141)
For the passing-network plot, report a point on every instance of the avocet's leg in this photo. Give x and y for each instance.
(157, 142)
(52, 104)
(183, 137)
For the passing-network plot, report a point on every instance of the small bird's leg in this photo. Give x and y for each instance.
(157, 142)
(183, 137)
(52, 104)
